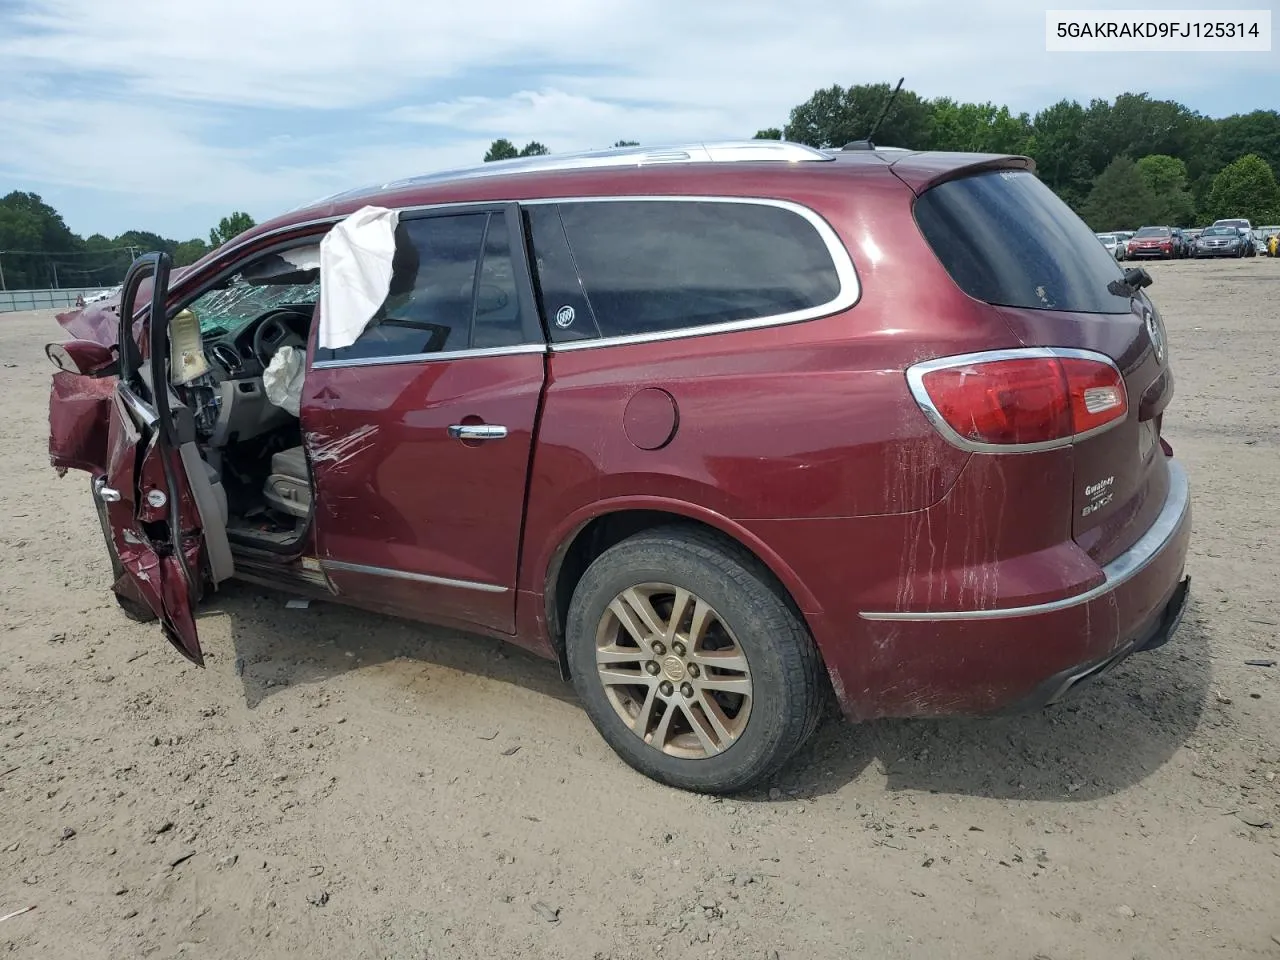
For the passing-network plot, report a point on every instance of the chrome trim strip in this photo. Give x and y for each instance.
(849, 293)
(1124, 567)
(433, 357)
(138, 407)
(915, 381)
(406, 575)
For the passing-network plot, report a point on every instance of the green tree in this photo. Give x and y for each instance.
(835, 116)
(34, 240)
(534, 149)
(229, 227)
(501, 149)
(978, 127)
(189, 251)
(1166, 178)
(1246, 188)
(1241, 134)
(768, 133)
(1120, 198)
(1056, 145)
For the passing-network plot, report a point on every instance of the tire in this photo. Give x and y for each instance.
(137, 612)
(750, 618)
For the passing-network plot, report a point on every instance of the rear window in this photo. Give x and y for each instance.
(653, 266)
(1006, 239)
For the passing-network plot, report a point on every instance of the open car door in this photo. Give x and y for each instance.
(166, 514)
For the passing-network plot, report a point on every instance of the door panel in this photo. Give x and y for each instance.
(159, 515)
(407, 515)
(420, 434)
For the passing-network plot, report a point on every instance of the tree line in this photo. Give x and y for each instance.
(38, 250)
(1119, 164)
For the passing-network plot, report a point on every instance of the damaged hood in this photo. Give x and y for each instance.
(100, 321)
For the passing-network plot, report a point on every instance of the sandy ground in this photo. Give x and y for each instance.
(353, 791)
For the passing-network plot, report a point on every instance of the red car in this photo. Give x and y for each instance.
(722, 429)
(1155, 242)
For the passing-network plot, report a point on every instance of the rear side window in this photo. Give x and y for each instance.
(1006, 239)
(653, 266)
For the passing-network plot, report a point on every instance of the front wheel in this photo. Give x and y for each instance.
(691, 663)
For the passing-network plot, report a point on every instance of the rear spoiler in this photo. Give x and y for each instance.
(921, 171)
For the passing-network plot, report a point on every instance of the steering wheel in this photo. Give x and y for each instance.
(272, 334)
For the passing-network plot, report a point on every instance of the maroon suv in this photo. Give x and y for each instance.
(719, 428)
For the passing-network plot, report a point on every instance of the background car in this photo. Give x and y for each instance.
(1154, 243)
(1270, 239)
(1113, 243)
(1219, 241)
(1247, 244)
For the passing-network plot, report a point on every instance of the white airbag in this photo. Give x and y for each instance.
(283, 379)
(355, 274)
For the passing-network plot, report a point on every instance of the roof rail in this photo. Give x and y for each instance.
(727, 151)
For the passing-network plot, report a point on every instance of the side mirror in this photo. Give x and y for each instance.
(83, 357)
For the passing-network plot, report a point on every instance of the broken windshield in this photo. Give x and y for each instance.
(228, 310)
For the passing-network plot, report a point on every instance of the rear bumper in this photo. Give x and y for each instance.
(1066, 683)
(990, 660)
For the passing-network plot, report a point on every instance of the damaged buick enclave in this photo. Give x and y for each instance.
(722, 428)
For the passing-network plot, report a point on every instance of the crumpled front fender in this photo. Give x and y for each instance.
(79, 420)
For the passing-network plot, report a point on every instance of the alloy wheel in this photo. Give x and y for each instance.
(673, 671)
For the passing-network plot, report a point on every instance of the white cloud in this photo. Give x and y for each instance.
(262, 104)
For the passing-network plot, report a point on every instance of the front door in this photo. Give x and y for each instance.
(156, 496)
(420, 434)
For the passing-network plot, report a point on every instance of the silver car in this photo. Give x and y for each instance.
(1114, 243)
(1220, 241)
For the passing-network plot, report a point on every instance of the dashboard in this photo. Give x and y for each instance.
(230, 401)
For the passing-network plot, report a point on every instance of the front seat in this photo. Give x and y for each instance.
(288, 487)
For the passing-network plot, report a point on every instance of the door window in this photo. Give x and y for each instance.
(453, 288)
(653, 266)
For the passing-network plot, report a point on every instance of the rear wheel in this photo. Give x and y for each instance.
(692, 665)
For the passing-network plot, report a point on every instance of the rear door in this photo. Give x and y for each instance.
(165, 527)
(1007, 240)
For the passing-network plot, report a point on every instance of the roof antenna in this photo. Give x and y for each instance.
(866, 144)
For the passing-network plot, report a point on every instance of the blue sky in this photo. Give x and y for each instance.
(164, 115)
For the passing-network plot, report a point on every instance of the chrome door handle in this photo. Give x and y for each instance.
(477, 431)
(107, 494)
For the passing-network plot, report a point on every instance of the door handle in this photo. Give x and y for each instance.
(477, 431)
(105, 494)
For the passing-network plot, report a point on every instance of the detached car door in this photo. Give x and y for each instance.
(166, 524)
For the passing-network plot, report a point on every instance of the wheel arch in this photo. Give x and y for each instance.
(607, 524)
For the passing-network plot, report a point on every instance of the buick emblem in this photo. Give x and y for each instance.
(1155, 332)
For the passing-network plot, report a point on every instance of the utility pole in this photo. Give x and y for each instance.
(54, 264)
(2, 286)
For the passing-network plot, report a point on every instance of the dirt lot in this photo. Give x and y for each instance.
(340, 785)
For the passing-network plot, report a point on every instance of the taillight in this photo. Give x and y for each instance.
(1019, 400)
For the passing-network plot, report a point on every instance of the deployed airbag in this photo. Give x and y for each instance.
(355, 274)
(283, 379)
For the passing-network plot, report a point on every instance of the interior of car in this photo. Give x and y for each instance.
(250, 442)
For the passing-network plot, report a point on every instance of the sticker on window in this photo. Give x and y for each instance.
(564, 317)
